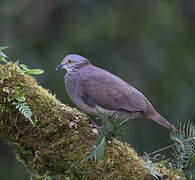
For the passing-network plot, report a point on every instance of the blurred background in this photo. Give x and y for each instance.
(150, 44)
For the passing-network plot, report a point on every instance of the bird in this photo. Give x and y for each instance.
(94, 89)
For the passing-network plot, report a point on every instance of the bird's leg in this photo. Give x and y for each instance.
(94, 127)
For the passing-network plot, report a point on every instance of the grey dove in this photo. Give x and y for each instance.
(92, 88)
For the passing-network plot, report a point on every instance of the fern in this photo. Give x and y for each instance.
(3, 57)
(113, 126)
(24, 109)
(97, 151)
(24, 68)
(148, 165)
(54, 177)
(185, 148)
(18, 99)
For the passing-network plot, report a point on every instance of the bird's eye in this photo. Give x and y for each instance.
(70, 61)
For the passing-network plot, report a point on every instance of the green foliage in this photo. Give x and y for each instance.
(16, 95)
(54, 178)
(3, 48)
(18, 100)
(113, 126)
(25, 110)
(2, 55)
(25, 70)
(162, 163)
(185, 148)
(148, 165)
(97, 151)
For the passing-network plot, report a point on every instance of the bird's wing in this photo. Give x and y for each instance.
(110, 92)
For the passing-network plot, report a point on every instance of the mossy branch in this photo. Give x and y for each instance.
(61, 137)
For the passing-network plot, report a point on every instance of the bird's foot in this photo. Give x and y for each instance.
(95, 128)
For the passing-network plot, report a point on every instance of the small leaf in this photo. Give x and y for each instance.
(191, 160)
(113, 126)
(3, 57)
(98, 151)
(25, 110)
(24, 67)
(148, 165)
(20, 98)
(35, 71)
(185, 147)
(3, 47)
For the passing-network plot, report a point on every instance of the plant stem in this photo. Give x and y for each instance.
(162, 149)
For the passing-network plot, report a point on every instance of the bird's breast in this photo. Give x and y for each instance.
(74, 88)
(72, 85)
(75, 91)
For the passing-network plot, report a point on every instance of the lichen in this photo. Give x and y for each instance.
(61, 138)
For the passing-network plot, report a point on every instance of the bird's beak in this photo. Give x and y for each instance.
(60, 66)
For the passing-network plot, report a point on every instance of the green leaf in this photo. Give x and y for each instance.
(20, 99)
(184, 148)
(25, 70)
(191, 161)
(3, 57)
(3, 47)
(148, 164)
(25, 110)
(24, 67)
(35, 71)
(98, 151)
(113, 126)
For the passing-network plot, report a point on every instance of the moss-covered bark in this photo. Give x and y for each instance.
(61, 138)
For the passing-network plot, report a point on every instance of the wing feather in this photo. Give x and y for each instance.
(112, 93)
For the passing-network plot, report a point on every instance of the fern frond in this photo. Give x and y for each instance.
(98, 150)
(148, 165)
(113, 126)
(185, 147)
(3, 57)
(25, 110)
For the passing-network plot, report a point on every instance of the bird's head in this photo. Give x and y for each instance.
(72, 61)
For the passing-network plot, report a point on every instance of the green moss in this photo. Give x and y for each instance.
(61, 138)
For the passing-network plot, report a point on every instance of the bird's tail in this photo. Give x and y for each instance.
(162, 121)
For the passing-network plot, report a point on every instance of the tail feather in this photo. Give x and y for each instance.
(162, 121)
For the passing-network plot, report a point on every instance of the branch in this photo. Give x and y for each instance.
(61, 137)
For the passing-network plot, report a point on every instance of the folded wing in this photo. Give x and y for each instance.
(110, 92)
